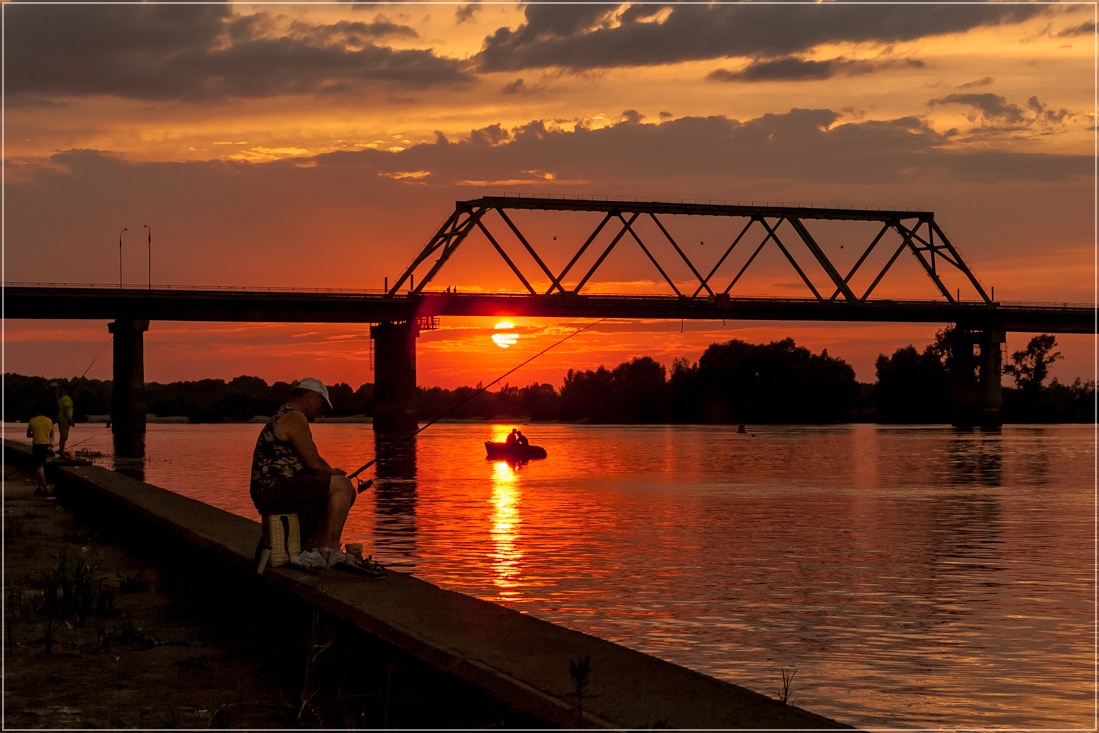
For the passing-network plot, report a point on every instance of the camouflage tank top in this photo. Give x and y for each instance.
(274, 459)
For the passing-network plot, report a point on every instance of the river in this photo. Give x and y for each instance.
(915, 577)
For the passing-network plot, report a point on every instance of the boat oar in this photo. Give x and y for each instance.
(364, 485)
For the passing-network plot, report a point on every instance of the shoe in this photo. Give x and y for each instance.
(367, 567)
(310, 560)
(332, 558)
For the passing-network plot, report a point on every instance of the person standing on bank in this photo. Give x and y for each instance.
(40, 431)
(64, 417)
(289, 475)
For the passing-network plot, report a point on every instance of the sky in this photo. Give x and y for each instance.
(321, 145)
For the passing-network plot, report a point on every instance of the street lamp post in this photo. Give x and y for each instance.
(150, 256)
(120, 259)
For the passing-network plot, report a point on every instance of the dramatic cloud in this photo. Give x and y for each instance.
(196, 53)
(791, 68)
(599, 36)
(993, 112)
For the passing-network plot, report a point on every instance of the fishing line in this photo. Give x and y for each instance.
(364, 485)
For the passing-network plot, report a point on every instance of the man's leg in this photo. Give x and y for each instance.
(341, 495)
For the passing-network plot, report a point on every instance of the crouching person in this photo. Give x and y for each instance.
(290, 476)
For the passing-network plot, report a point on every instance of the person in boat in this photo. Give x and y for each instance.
(513, 438)
(521, 439)
(289, 475)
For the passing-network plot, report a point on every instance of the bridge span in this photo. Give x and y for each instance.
(699, 286)
(27, 301)
(395, 322)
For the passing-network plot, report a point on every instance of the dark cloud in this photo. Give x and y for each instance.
(600, 36)
(466, 12)
(202, 52)
(991, 112)
(791, 68)
(984, 82)
(816, 146)
(1084, 29)
(991, 106)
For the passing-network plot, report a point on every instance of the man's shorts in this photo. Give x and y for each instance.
(306, 495)
(63, 429)
(39, 453)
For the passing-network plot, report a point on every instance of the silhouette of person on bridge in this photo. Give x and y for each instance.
(289, 475)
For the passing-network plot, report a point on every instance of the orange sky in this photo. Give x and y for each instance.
(322, 146)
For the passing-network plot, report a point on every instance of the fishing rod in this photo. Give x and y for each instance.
(364, 485)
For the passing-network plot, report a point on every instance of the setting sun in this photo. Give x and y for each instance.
(505, 338)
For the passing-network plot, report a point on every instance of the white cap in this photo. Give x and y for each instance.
(314, 385)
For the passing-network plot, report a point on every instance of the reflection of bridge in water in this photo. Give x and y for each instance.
(566, 291)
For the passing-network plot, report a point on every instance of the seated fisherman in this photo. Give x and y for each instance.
(289, 475)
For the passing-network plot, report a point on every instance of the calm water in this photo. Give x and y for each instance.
(917, 577)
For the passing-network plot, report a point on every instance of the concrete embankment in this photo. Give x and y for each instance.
(520, 660)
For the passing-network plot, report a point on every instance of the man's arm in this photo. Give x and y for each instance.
(296, 429)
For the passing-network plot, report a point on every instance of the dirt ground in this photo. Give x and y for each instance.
(105, 628)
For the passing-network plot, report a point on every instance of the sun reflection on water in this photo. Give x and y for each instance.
(506, 524)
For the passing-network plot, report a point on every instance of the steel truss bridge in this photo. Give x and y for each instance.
(833, 291)
(831, 294)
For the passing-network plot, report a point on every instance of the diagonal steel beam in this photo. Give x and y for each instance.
(607, 251)
(960, 263)
(650, 256)
(453, 231)
(530, 249)
(822, 258)
(885, 228)
(790, 257)
(682, 255)
(579, 253)
(512, 265)
(929, 267)
(750, 259)
(729, 251)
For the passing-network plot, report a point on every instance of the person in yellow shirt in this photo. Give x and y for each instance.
(64, 416)
(40, 431)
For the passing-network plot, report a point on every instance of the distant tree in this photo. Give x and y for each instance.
(912, 386)
(587, 395)
(779, 382)
(1030, 366)
(638, 388)
(342, 397)
(682, 392)
(538, 402)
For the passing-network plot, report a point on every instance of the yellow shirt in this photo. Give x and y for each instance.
(40, 430)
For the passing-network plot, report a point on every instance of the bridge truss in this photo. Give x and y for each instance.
(785, 228)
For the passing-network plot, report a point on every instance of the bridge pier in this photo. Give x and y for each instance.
(394, 375)
(977, 364)
(128, 404)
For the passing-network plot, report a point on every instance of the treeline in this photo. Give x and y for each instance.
(732, 382)
(201, 401)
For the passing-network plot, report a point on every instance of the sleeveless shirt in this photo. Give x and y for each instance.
(274, 459)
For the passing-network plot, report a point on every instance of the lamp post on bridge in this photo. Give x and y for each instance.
(150, 256)
(120, 258)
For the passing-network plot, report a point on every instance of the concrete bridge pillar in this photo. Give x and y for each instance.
(128, 404)
(394, 376)
(977, 365)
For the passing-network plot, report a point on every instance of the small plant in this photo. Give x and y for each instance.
(787, 681)
(319, 643)
(580, 669)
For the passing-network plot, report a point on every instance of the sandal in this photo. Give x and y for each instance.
(366, 567)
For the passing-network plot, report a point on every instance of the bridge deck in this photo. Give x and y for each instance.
(334, 306)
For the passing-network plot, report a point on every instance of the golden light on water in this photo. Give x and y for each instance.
(506, 555)
(505, 337)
